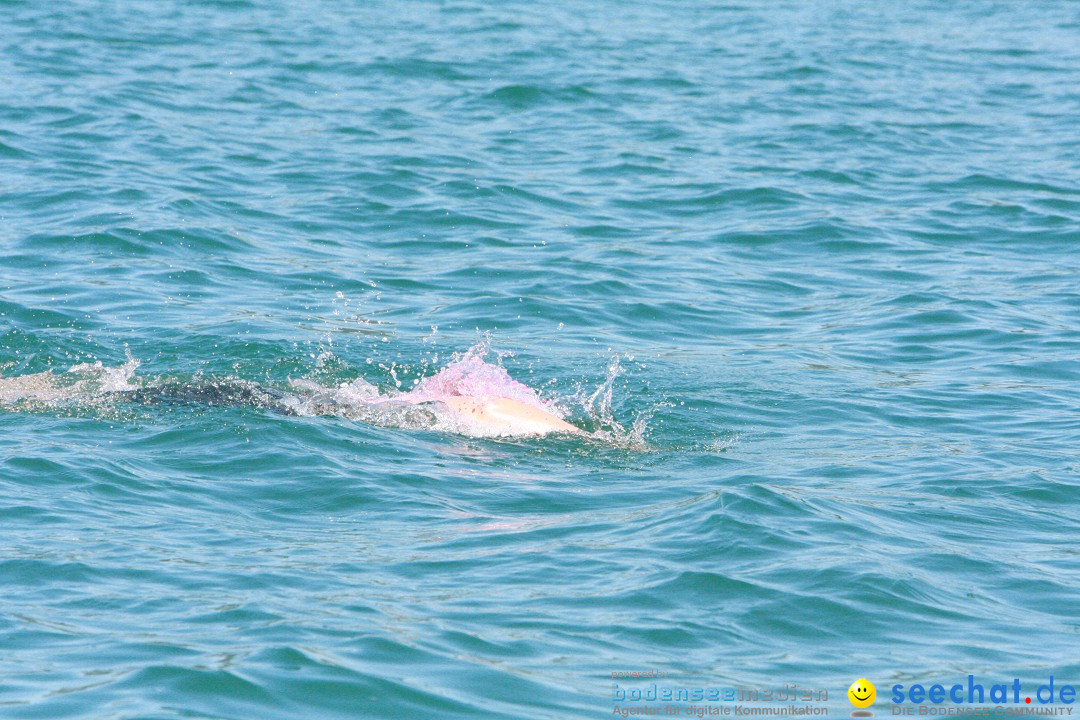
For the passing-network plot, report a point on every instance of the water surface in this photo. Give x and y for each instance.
(824, 252)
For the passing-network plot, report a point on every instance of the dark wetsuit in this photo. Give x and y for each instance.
(210, 392)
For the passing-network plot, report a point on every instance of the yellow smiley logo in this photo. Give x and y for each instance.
(862, 693)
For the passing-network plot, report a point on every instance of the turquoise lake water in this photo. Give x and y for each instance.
(822, 256)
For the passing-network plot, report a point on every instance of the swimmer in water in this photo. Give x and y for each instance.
(487, 415)
(468, 396)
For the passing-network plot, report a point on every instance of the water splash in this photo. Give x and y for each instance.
(470, 375)
(599, 410)
(49, 389)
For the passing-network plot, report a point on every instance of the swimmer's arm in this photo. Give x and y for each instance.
(513, 415)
